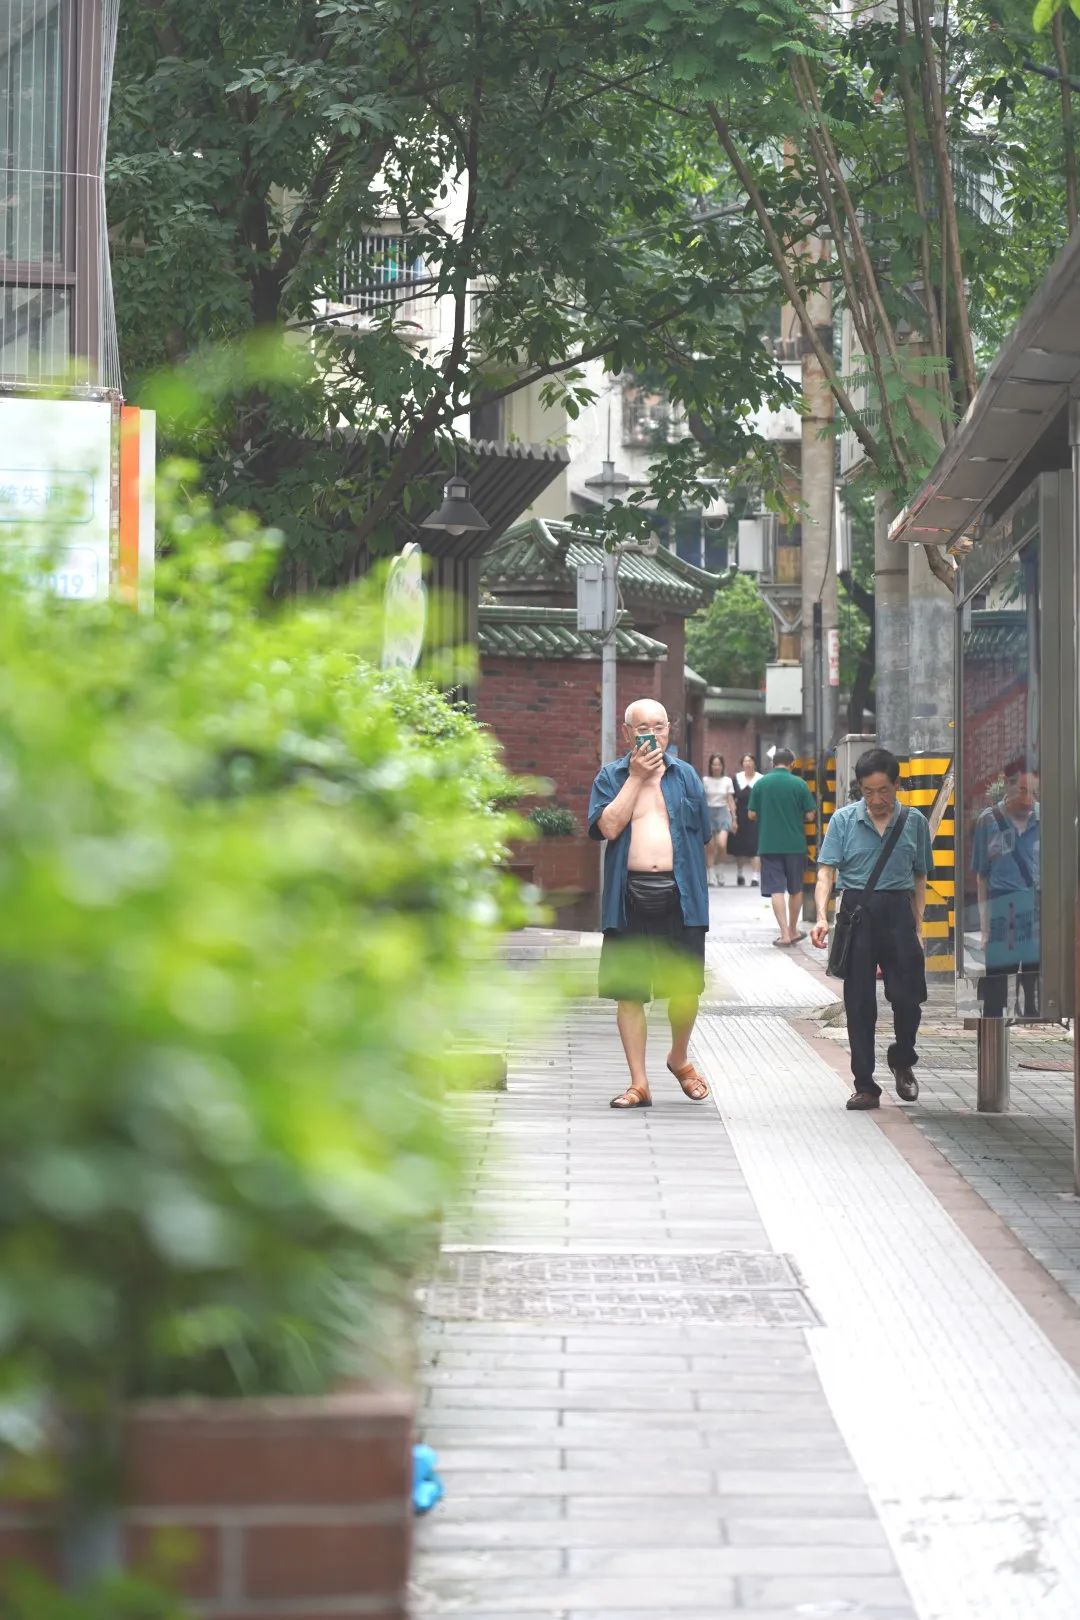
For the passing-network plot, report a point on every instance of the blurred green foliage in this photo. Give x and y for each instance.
(249, 900)
(28, 1596)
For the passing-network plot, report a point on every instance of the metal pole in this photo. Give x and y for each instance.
(609, 674)
(1073, 876)
(818, 711)
(993, 1066)
(608, 658)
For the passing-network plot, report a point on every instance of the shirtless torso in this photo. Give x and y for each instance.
(650, 832)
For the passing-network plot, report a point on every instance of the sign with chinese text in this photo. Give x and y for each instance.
(56, 490)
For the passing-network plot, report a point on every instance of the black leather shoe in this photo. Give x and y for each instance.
(861, 1100)
(907, 1087)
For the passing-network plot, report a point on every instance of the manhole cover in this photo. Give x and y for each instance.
(734, 1289)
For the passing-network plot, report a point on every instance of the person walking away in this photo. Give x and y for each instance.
(1005, 859)
(879, 854)
(650, 808)
(720, 796)
(780, 804)
(744, 841)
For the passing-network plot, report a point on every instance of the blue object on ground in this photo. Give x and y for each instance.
(427, 1486)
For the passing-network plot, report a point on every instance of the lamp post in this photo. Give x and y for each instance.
(457, 516)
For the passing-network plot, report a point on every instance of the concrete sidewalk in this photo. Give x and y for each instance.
(733, 1357)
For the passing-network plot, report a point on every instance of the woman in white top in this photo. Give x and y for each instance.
(744, 842)
(720, 796)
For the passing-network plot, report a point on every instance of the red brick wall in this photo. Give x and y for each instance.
(733, 738)
(287, 1508)
(546, 715)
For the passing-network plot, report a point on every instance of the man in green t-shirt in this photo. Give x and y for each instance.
(781, 805)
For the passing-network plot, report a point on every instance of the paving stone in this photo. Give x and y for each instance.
(594, 1467)
(632, 1525)
(538, 1596)
(773, 1561)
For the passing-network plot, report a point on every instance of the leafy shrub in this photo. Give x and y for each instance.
(249, 898)
(27, 1596)
(553, 821)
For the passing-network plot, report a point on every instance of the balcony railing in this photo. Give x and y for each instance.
(376, 273)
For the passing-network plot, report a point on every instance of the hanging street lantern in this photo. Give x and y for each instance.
(457, 515)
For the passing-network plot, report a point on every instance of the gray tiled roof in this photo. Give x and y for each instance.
(538, 553)
(509, 631)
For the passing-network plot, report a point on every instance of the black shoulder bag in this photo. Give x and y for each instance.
(846, 922)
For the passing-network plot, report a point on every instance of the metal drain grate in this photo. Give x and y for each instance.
(736, 1289)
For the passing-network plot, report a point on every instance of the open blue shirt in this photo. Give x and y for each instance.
(691, 830)
(852, 845)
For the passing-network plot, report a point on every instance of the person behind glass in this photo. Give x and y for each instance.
(889, 932)
(650, 808)
(1005, 858)
(744, 841)
(720, 797)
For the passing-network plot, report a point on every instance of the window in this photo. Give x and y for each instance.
(34, 318)
(648, 418)
(378, 273)
(55, 292)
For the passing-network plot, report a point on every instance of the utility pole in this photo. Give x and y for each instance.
(609, 666)
(818, 494)
(892, 627)
(606, 487)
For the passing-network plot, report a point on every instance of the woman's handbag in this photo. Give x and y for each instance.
(846, 922)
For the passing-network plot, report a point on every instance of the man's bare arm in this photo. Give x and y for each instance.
(616, 815)
(918, 901)
(826, 877)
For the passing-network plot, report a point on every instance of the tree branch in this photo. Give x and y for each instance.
(937, 131)
(858, 296)
(907, 98)
(1068, 131)
(794, 296)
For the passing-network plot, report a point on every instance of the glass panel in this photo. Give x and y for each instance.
(34, 331)
(30, 134)
(1000, 792)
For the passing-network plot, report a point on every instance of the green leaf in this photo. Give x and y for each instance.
(1045, 12)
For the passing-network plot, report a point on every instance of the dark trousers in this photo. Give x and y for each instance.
(885, 937)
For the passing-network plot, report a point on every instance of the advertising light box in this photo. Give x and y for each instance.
(56, 458)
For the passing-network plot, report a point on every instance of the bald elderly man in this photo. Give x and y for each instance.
(649, 806)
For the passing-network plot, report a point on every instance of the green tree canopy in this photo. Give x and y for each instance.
(559, 219)
(732, 640)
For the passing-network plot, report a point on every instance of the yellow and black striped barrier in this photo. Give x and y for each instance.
(807, 770)
(926, 785)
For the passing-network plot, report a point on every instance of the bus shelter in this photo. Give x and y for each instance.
(1009, 481)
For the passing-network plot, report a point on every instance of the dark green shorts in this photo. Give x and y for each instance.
(653, 959)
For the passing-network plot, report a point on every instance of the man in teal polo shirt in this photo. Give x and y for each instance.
(780, 803)
(889, 933)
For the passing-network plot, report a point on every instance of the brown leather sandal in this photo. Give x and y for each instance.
(694, 1085)
(632, 1097)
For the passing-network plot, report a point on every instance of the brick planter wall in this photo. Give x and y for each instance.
(568, 871)
(295, 1509)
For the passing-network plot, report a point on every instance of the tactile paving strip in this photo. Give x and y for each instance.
(734, 1289)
